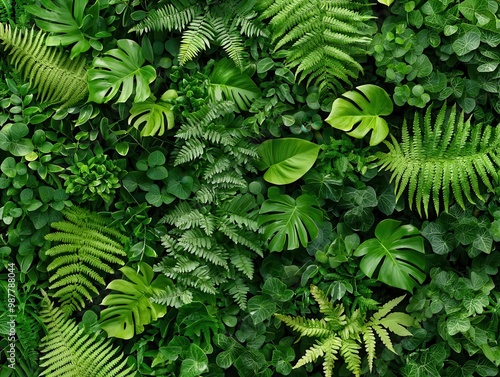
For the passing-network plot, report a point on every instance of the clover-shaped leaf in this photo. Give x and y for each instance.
(398, 250)
(362, 108)
(121, 71)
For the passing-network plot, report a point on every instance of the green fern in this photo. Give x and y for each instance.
(59, 79)
(441, 158)
(87, 246)
(222, 22)
(212, 240)
(69, 352)
(338, 334)
(323, 38)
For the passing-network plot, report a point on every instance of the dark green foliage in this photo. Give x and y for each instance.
(444, 156)
(201, 25)
(58, 79)
(69, 352)
(326, 37)
(87, 247)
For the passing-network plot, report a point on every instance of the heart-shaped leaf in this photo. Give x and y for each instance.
(362, 109)
(395, 257)
(286, 160)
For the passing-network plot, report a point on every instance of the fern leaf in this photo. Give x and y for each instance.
(311, 355)
(86, 247)
(350, 352)
(239, 290)
(59, 79)
(384, 337)
(387, 308)
(334, 315)
(443, 160)
(243, 263)
(230, 40)
(68, 351)
(196, 38)
(325, 38)
(369, 340)
(175, 16)
(305, 326)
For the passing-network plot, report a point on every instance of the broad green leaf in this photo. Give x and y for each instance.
(275, 288)
(129, 309)
(467, 42)
(196, 362)
(456, 324)
(362, 109)
(289, 223)
(228, 83)
(286, 160)
(121, 71)
(386, 2)
(395, 256)
(261, 308)
(153, 117)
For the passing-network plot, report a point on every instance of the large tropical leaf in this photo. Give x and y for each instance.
(362, 108)
(69, 21)
(395, 256)
(228, 83)
(286, 160)
(154, 115)
(121, 71)
(130, 309)
(289, 221)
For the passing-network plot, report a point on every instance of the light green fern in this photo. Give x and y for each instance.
(86, 248)
(69, 352)
(441, 158)
(322, 39)
(339, 335)
(59, 79)
(224, 23)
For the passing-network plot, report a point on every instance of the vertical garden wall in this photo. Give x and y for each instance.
(249, 188)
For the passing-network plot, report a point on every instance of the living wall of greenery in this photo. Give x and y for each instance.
(250, 187)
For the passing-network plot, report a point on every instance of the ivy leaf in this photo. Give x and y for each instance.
(362, 109)
(286, 160)
(260, 308)
(275, 288)
(121, 71)
(228, 83)
(398, 250)
(442, 242)
(289, 221)
(130, 309)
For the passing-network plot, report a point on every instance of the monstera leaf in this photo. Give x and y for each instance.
(130, 309)
(395, 256)
(362, 108)
(121, 71)
(288, 221)
(228, 83)
(154, 115)
(70, 21)
(286, 160)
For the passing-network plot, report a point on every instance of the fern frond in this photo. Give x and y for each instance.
(305, 326)
(86, 247)
(334, 315)
(191, 150)
(350, 352)
(384, 337)
(68, 351)
(196, 38)
(59, 79)
(239, 290)
(369, 340)
(175, 16)
(243, 263)
(325, 38)
(230, 40)
(173, 296)
(451, 157)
